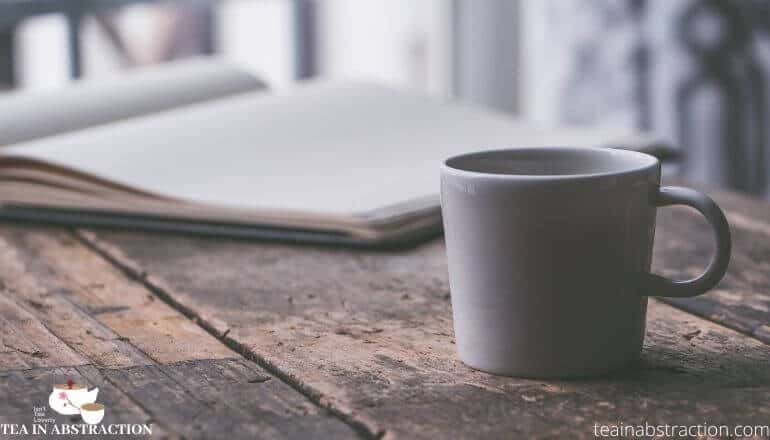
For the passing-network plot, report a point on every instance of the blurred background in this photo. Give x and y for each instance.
(693, 72)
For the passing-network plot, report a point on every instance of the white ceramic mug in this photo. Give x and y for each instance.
(549, 253)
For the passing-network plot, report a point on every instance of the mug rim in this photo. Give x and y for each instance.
(645, 161)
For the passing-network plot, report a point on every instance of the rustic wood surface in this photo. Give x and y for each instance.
(368, 334)
(67, 313)
(209, 338)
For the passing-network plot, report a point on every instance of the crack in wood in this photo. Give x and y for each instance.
(33, 353)
(753, 331)
(107, 309)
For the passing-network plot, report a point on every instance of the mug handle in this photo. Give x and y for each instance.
(675, 195)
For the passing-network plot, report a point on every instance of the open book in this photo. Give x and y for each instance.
(137, 92)
(341, 163)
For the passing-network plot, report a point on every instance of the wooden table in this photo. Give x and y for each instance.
(208, 338)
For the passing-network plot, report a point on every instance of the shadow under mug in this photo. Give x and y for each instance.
(549, 253)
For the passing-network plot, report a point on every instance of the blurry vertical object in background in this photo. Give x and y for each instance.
(726, 60)
(189, 31)
(599, 84)
(486, 52)
(693, 71)
(399, 42)
(179, 30)
(305, 38)
(7, 77)
(578, 62)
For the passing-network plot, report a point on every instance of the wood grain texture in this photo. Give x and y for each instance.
(226, 398)
(369, 335)
(26, 343)
(61, 304)
(93, 307)
(684, 246)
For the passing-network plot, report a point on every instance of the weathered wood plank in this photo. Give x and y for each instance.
(50, 304)
(66, 283)
(27, 344)
(369, 334)
(230, 398)
(70, 307)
